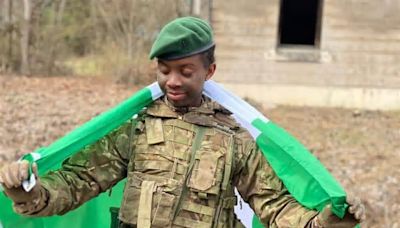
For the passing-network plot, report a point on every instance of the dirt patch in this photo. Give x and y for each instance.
(360, 148)
(36, 111)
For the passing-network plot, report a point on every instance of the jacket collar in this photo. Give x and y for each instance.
(209, 113)
(163, 108)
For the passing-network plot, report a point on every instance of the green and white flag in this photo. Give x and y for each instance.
(303, 175)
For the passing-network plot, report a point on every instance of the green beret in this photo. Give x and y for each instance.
(181, 38)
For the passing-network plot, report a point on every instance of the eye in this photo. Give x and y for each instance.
(187, 75)
(187, 72)
(164, 72)
(163, 69)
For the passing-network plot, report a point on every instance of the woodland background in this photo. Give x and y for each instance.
(94, 37)
(63, 62)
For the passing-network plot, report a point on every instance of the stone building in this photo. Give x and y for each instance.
(339, 53)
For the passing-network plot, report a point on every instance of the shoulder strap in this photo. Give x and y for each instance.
(135, 122)
(226, 198)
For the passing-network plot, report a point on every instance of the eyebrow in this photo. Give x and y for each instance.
(161, 62)
(182, 65)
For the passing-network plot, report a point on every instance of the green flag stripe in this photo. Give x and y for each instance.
(91, 131)
(303, 175)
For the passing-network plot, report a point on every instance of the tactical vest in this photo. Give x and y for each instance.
(180, 170)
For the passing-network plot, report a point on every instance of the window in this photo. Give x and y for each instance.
(300, 23)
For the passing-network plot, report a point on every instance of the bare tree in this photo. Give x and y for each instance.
(25, 36)
(6, 31)
(10, 29)
(51, 36)
(56, 25)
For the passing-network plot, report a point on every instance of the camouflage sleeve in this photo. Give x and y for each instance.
(83, 176)
(264, 191)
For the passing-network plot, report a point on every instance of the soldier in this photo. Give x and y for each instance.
(182, 157)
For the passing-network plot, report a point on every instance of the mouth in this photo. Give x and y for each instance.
(176, 96)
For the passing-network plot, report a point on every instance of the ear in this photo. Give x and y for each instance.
(211, 71)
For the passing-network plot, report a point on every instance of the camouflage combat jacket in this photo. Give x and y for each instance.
(181, 167)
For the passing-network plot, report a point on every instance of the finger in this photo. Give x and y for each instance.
(354, 203)
(6, 178)
(363, 216)
(24, 170)
(359, 214)
(2, 171)
(14, 174)
(357, 201)
(1, 177)
(352, 209)
(35, 169)
(350, 200)
(353, 200)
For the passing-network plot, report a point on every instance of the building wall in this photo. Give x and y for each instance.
(359, 50)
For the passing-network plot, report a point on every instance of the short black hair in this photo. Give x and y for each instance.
(208, 56)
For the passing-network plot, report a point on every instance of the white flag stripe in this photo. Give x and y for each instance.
(232, 102)
(217, 93)
(36, 156)
(244, 114)
(243, 211)
(254, 132)
(155, 91)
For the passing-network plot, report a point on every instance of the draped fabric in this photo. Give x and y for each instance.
(303, 175)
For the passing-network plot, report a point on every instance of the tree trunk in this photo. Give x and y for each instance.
(10, 33)
(196, 8)
(94, 22)
(54, 41)
(25, 37)
(6, 13)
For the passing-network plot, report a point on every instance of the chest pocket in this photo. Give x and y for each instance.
(154, 130)
(160, 146)
(148, 200)
(208, 169)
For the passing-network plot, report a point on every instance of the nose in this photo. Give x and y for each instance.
(174, 80)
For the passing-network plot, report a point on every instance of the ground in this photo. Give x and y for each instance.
(361, 148)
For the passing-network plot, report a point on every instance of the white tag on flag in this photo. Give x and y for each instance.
(29, 184)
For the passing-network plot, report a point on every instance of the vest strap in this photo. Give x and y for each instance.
(185, 222)
(198, 208)
(145, 204)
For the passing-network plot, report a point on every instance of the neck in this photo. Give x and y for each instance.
(183, 109)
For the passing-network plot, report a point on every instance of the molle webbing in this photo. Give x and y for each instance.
(186, 222)
(199, 134)
(227, 199)
(197, 208)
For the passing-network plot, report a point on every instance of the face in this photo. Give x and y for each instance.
(182, 80)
